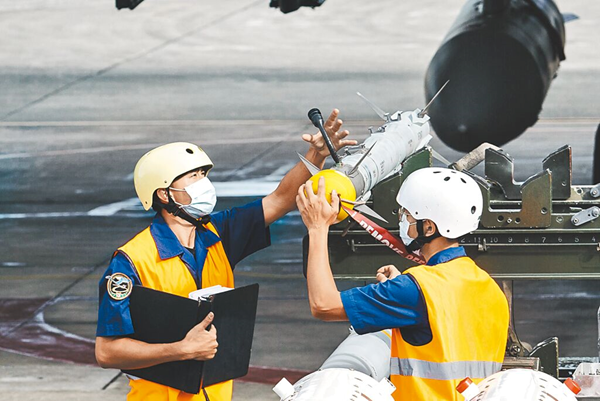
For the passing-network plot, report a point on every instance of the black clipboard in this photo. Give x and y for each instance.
(160, 317)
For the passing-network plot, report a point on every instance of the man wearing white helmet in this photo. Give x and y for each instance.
(449, 317)
(185, 248)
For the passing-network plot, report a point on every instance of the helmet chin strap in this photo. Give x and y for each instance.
(176, 211)
(422, 239)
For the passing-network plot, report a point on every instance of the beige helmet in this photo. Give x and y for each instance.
(159, 167)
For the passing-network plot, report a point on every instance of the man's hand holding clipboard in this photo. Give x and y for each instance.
(200, 343)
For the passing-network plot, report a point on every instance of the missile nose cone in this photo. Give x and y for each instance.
(342, 185)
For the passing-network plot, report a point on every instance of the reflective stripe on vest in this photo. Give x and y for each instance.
(468, 318)
(443, 370)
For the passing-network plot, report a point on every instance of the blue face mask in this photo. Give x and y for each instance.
(204, 198)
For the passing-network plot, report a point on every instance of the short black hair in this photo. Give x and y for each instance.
(203, 168)
(157, 204)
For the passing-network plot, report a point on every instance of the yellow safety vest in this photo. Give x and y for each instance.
(468, 316)
(173, 276)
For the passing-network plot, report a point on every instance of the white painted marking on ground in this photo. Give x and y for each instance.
(228, 189)
(233, 189)
(23, 379)
(13, 264)
(255, 187)
(39, 318)
(8, 216)
(288, 261)
(112, 208)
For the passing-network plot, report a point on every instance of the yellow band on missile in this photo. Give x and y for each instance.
(342, 185)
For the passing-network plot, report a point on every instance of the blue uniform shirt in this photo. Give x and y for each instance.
(242, 231)
(396, 303)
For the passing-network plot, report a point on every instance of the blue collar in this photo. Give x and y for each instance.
(167, 243)
(446, 255)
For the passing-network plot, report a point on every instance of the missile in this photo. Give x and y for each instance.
(381, 155)
(359, 365)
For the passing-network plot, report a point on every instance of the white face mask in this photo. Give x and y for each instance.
(404, 226)
(204, 198)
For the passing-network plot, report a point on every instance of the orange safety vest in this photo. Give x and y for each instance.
(173, 276)
(468, 316)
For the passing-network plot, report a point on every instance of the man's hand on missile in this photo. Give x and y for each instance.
(282, 200)
(318, 214)
(387, 272)
(315, 210)
(332, 127)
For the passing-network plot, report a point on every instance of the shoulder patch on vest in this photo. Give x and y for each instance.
(119, 286)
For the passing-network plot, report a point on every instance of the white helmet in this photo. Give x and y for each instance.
(449, 198)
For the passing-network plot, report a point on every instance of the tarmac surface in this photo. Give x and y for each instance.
(87, 90)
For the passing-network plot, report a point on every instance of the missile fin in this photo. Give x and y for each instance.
(362, 159)
(439, 157)
(424, 141)
(355, 203)
(568, 17)
(424, 111)
(367, 210)
(375, 108)
(309, 166)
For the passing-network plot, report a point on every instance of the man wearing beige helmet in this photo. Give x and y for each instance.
(185, 248)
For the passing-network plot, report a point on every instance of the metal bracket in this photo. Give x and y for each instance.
(376, 130)
(499, 167)
(560, 165)
(536, 207)
(521, 362)
(547, 351)
(350, 150)
(585, 216)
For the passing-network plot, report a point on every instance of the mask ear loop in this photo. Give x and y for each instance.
(172, 208)
(422, 239)
(169, 189)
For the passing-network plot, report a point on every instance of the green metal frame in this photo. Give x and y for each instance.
(526, 231)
